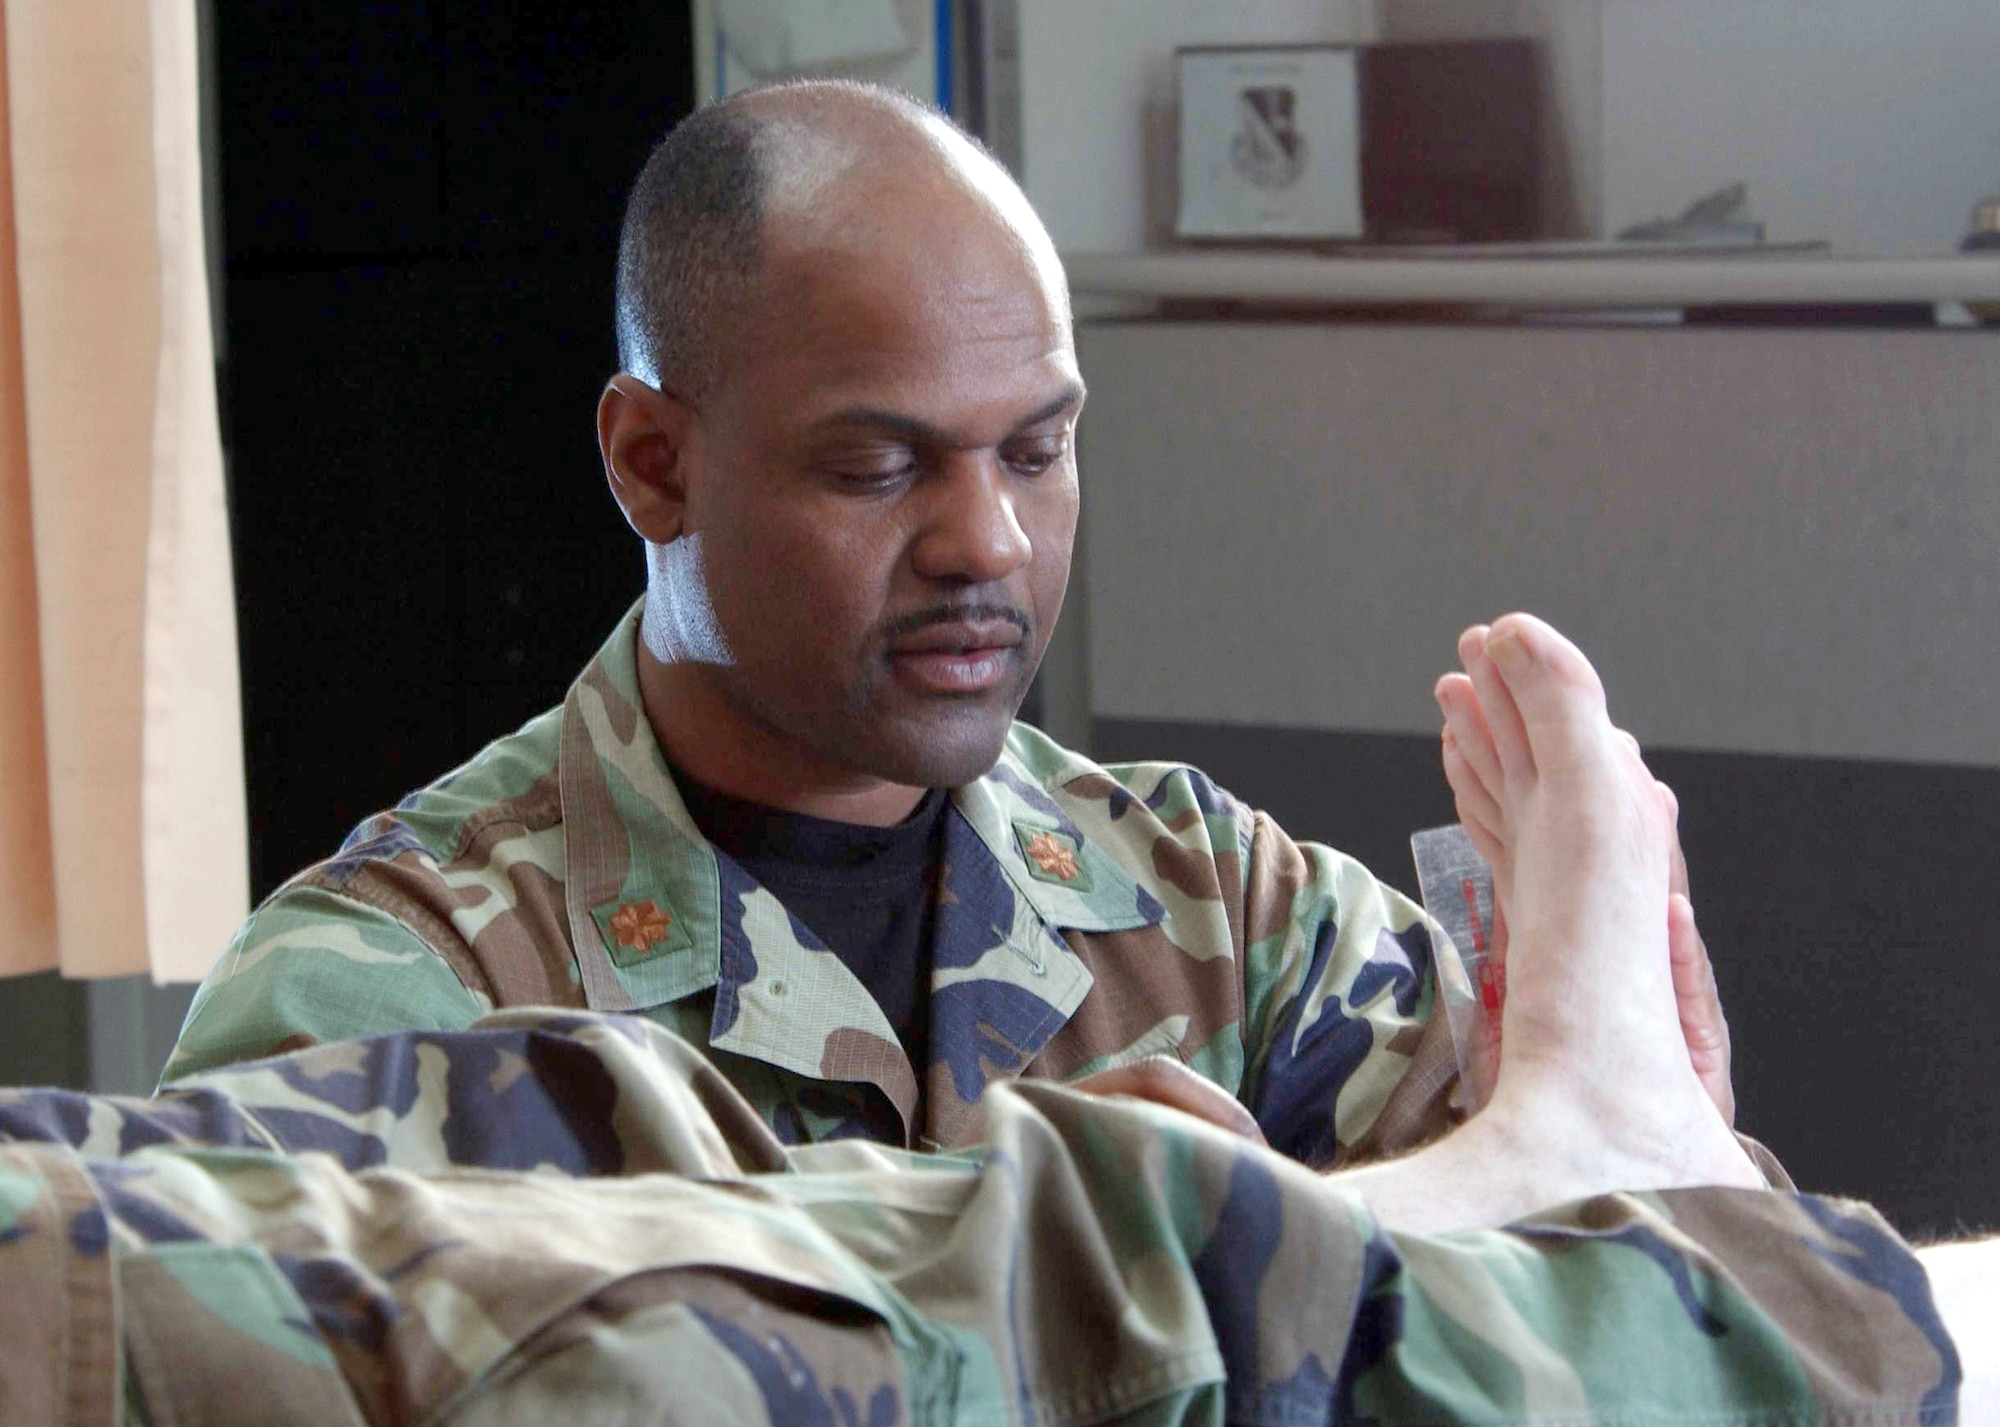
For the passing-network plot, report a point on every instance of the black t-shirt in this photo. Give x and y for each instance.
(864, 891)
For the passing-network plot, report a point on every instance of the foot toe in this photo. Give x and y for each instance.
(1507, 733)
(1560, 698)
(1466, 724)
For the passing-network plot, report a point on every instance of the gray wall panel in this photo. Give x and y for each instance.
(1775, 541)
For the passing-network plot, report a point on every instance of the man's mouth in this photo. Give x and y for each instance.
(957, 656)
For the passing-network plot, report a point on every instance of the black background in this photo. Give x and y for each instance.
(419, 220)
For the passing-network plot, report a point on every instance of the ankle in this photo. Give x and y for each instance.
(1587, 1137)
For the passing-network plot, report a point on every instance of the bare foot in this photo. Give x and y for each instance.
(1472, 767)
(1596, 1066)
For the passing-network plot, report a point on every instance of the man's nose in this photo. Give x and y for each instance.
(971, 531)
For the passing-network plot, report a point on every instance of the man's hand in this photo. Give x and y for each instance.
(1166, 1081)
(1702, 1021)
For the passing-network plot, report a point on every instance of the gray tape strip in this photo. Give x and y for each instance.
(1457, 888)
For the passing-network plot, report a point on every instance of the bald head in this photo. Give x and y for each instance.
(793, 167)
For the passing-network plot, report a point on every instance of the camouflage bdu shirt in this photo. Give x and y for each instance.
(1085, 917)
(567, 1218)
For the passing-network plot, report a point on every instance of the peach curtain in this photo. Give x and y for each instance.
(123, 844)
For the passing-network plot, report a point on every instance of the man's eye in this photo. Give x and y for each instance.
(874, 471)
(1034, 458)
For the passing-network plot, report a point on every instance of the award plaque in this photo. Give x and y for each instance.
(1270, 143)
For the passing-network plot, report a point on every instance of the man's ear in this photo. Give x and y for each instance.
(643, 435)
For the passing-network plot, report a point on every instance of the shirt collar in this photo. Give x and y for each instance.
(641, 887)
(644, 890)
(1070, 881)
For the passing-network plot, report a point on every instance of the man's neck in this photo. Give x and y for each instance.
(710, 737)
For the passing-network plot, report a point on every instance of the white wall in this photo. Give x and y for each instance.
(1874, 124)
(1097, 94)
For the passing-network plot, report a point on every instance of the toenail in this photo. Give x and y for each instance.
(1508, 649)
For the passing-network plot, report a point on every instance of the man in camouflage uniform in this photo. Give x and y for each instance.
(849, 355)
(562, 1217)
(845, 439)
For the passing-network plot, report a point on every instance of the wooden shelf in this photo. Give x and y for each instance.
(1607, 281)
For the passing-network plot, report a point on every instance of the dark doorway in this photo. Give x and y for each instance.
(419, 217)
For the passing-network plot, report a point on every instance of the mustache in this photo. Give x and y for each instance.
(905, 624)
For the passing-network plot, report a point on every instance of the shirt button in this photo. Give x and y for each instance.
(777, 988)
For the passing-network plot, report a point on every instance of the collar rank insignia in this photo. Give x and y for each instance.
(639, 925)
(1051, 857)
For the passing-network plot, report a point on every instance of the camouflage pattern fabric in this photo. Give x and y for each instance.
(563, 1217)
(1086, 917)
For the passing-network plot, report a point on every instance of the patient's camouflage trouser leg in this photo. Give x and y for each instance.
(575, 1218)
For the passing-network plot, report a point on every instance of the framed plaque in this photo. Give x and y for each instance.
(1270, 143)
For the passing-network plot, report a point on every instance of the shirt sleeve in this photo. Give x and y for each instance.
(553, 1215)
(1346, 1046)
(311, 966)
